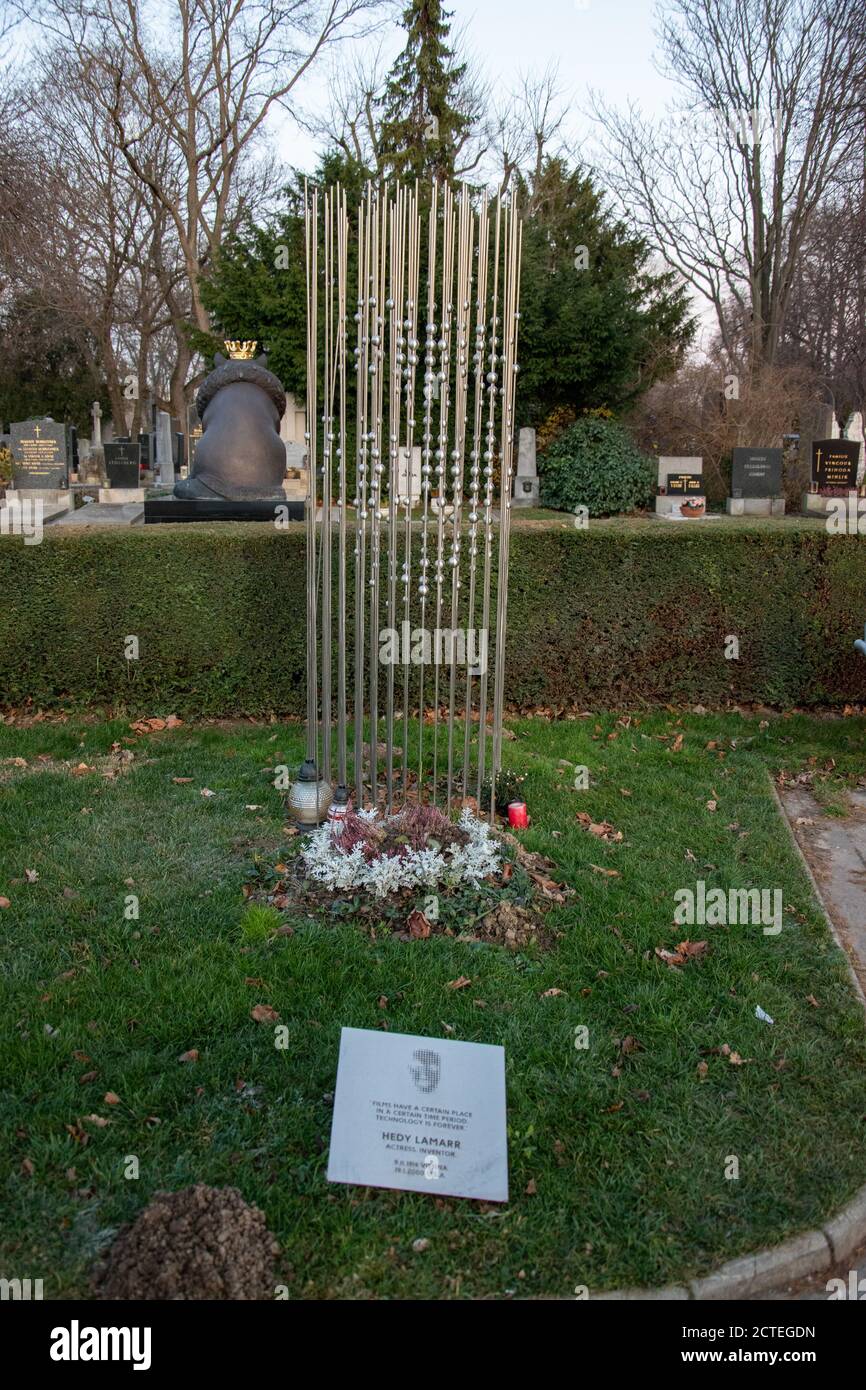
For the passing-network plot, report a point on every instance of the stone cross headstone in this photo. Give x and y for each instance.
(96, 412)
(164, 450)
(525, 488)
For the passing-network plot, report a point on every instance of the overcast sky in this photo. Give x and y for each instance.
(607, 45)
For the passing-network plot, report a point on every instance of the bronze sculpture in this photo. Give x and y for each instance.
(240, 455)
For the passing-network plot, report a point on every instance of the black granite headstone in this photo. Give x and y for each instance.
(122, 463)
(756, 473)
(39, 457)
(144, 444)
(834, 464)
(685, 485)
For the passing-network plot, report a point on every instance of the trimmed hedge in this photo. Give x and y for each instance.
(617, 615)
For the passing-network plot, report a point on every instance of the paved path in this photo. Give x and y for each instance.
(834, 849)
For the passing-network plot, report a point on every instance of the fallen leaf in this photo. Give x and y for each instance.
(31, 875)
(263, 1013)
(703, 1068)
(206, 791)
(531, 1188)
(111, 1098)
(677, 744)
(27, 1167)
(88, 1076)
(418, 925)
(810, 999)
(4, 902)
(552, 993)
(98, 1120)
(181, 781)
(711, 805)
(460, 983)
(191, 1056)
(608, 873)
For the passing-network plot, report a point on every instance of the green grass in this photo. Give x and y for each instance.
(628, 1170)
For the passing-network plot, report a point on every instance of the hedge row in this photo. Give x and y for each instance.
(614, 616)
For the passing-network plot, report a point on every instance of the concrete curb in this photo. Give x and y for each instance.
(805, 1255)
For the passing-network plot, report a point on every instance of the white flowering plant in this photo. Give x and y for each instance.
(417, 848)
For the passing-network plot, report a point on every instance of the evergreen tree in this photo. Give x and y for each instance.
(422, 127)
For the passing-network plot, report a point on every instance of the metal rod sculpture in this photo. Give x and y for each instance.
(427, 553)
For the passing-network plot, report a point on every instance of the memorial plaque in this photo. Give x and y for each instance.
(756, 473)
(422, 1114)
(122, 463)
(834, 463)
(39, 457)
(685, 485)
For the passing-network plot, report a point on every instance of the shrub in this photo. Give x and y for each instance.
(595, 464)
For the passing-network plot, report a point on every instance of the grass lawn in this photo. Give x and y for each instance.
(615, 1179)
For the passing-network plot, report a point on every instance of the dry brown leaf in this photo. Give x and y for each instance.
(551, 993)
(111, 1098)
(531, 1188)
(703, 1068)
(254, 980)
(263, 1013)
(98, 1120)
(191, 1056)
(88, 1076)
(810, 999)
(608, 873)
(677, 744)
(4, 902)
(27, 1167)
(181, 781)
(712, 805)
(460, 983)
(418, 925)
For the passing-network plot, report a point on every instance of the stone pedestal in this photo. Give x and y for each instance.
(525, 489)
(814, 504)
(755, 506)
(54, 500)
(121, 496)
(162, 509)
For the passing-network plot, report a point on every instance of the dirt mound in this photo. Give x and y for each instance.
(199, 1243)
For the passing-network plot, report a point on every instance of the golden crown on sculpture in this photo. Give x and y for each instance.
(241, 352)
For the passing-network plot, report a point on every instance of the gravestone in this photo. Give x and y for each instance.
(833, 473)
(164, 450)
(123, 470)
(146, 445)
(73, 449)
(680, 490)
(179, 453)
(834, 465)
(408, 474)
(40, 463)
(96, 412)
(420, 1114)
(525, 489)
(756, 482)
(39, 455)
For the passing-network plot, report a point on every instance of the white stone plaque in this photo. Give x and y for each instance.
(423, 1114)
